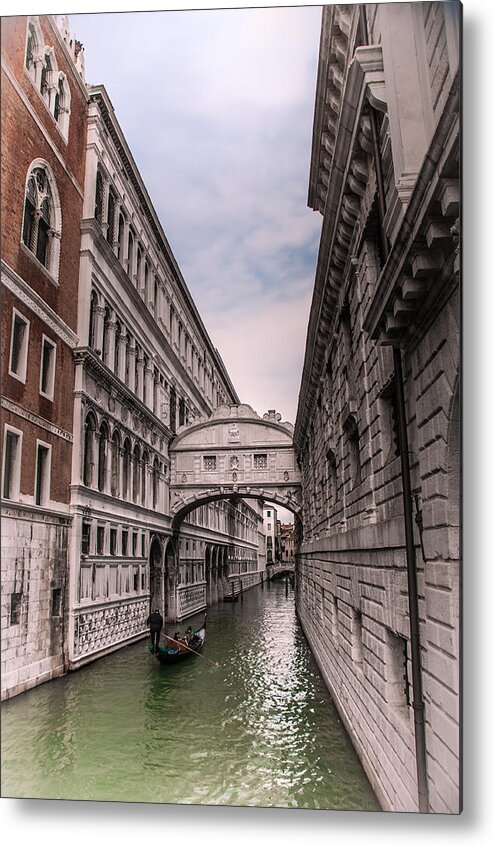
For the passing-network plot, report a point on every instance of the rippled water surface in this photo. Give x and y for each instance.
(260, 729)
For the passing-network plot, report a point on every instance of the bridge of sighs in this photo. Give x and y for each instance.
(235, 453)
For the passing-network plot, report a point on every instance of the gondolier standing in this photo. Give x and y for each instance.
(155, 623)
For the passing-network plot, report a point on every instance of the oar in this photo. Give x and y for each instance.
(181, 643)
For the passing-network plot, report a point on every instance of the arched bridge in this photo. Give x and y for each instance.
(235, 453)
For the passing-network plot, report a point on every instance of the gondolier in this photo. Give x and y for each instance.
(155, 623)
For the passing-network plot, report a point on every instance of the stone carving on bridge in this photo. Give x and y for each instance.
(233, 432)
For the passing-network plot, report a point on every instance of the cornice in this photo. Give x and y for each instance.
(17, 286)
(32, 417)
(364, 79)
(428, 184)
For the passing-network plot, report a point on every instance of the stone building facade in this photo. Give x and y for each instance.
(145, 369)
(383, 337)
(43, 118)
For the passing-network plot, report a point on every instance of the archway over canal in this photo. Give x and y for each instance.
(234, 454)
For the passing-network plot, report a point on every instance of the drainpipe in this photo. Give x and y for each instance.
(413, 607)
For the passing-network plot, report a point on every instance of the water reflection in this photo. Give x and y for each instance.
(260, 729)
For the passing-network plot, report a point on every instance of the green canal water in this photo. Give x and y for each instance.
(260, 729)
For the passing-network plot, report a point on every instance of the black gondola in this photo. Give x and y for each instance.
(173, 651)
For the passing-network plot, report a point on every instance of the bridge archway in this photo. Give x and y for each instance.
(234, 454)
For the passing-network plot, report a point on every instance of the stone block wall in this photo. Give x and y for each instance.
(34, 565)
(352, 594)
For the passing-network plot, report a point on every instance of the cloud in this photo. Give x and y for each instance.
(217, 109)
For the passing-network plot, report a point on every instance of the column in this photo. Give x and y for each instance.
(122, 353)
(140, 372)
(106, 195)
(116, 222)
(148, 375)
(124, 258)
(132, 352)
(99, 319)
(111, 326)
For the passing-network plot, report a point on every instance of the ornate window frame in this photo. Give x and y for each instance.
(52, 260)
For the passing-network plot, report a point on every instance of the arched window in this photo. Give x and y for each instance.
(116, 358)
(42, 220)
(138, 265)
(33, 46)
(156, 476)
(115, 463)
(102, 455)
(61, 105)
(127, 359)
(145, 381)
(146, 276)
(126, 469)
(173, 409)
(48, 82)
(136, 370)
(106, 335)
(92, 319)
(145, 462)
(111, 217)
(98, 202)
(121, 231)
(136, 457)
(130, 254)
(88, 457)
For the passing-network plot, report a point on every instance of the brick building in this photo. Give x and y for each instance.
(43, 119)
(377, 428)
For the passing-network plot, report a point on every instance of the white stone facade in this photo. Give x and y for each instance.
(384, 175)
(145, 369)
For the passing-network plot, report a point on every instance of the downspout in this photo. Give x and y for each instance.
(413, 607)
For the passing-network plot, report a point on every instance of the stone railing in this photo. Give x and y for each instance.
(190, 599)
(100, 628)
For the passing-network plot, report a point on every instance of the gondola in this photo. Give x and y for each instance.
(173, 652)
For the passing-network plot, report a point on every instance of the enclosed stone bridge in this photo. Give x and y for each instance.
(234, 454)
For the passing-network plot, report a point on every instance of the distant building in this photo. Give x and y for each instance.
(43, 120)
(287, 543)
(383, 346)
(271, 531)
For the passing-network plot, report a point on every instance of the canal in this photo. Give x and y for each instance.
(259, 729)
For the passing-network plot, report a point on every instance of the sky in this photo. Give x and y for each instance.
(217, 108)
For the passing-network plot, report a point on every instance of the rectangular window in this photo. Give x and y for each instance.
(47, 369)
(11, 463)
(100, 540)
(56, 602)
(15, 608)
(261, 461)
(43, 468)
(125, 542)
(85, 538)
(18, 346)
(134, 544)
(143, 580)
(143, 545)
(209, 463)
(113, 541)
(136, 581)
